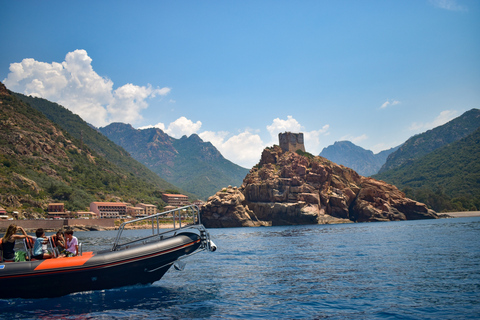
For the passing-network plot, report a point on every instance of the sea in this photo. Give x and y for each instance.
(426, 269)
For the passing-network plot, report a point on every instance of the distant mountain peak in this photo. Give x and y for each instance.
(346, 153)
(189, 162)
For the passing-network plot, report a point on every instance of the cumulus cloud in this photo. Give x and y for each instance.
(389, 103)
(178, 128)
(243, 149)
(183, 126)
(444, 117)
(311, 138)
(278, 125)
(451, 5)
(75, 85)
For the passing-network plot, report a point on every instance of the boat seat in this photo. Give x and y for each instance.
(29, 243)
(51, 241)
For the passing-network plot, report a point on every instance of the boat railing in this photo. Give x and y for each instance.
(183, 218)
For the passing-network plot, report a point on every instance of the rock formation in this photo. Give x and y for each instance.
(287, 188)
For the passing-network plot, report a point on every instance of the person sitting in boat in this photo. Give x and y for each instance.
(8, 242)
(59, 241)
(40, 251)
(72, 244)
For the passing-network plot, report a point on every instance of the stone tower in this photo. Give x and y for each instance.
(291, 141)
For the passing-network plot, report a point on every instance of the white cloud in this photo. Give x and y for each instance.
(280, 125)
(444, 117)
(159, 125)
(389, 103)
(244, 149)
(311, 138)
(448, 5)
(183, 126)
(75, 85)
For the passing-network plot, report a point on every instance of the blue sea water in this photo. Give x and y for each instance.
(426, 269)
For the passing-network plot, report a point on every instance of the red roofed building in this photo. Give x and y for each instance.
(177, 200)
(109, 209)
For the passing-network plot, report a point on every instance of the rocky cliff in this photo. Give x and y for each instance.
(287, 188)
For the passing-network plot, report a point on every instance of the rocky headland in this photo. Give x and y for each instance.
(290, 188)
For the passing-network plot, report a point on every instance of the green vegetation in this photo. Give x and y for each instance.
(89, 136)
(447, 179)
(427, 142)
(41, 163)
(305, 154)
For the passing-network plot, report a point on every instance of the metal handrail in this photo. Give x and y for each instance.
(192, 210)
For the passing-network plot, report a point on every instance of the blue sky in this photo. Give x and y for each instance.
(239, 72)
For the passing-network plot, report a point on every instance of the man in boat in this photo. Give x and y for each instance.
(72, 244)
(40, 251)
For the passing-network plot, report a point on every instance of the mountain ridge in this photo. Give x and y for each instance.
(194, 165)
(40, 162)
(365, 162)
(426, 142)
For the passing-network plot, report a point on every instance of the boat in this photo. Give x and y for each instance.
(128, 262)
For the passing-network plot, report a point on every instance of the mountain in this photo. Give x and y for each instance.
(365, 162)
(40, 162)
(447, 179)
(422, 144)
(188, 162)
(88, 135)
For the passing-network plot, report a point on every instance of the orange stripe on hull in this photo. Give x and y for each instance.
(64, 262)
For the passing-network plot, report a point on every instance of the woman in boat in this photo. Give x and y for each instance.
(60, 241)
(8, 242)
(40, 247)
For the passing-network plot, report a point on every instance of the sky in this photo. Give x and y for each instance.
(239, 72)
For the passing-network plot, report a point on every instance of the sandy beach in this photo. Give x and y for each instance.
(464, 214)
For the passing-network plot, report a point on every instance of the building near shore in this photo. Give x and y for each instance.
(55, 208)
(149, 209)
(86, 215)
(109, 209)
(136, 212)
(176, 200)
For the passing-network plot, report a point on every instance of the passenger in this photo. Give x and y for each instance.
(40, 247)
(72, 244)
(8, 242)
(60, 241)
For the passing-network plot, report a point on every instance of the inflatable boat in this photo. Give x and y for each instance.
(138, 261)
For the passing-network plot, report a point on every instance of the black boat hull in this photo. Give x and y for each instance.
(94, 271)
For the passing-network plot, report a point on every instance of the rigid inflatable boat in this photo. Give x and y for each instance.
(141, 261)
